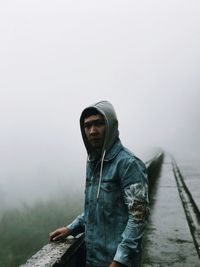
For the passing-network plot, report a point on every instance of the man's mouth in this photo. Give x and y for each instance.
(95, 140)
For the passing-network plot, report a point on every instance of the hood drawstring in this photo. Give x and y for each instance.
(100, 176)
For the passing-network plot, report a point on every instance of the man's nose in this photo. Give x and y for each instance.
(93, 129)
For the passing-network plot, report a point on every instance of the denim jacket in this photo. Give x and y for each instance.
(112, 228)
(113, 221)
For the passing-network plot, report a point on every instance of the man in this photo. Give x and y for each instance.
(116, 194)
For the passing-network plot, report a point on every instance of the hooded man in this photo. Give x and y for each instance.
(116, 194)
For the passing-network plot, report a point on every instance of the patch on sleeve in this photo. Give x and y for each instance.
(137, 201)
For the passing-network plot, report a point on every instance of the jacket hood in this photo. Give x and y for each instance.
(106, 109)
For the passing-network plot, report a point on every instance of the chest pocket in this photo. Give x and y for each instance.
(109, 186)
(110, 194)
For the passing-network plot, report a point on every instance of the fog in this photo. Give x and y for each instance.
(57, 57)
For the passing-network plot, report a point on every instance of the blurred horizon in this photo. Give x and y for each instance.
(59, 57)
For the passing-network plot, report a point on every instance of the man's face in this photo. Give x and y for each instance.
(95, 128)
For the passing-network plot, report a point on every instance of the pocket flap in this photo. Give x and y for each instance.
(109, 187)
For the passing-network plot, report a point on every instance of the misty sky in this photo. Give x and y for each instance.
(56, 57)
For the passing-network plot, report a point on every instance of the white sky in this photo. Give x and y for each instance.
(56, 57)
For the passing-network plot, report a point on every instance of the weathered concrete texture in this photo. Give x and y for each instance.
(49, 254)
(168, 241)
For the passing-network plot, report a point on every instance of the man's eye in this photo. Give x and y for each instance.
(99, 123)
(95, 123)
(87, 125)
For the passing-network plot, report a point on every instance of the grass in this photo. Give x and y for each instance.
(25, 230)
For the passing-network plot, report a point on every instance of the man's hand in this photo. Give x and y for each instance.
(117, 264)
(59, 234)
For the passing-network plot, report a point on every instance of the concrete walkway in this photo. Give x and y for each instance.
(168, 241)
(190, 170)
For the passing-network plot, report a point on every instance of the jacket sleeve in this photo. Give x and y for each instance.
(78, 225)
(134, 185)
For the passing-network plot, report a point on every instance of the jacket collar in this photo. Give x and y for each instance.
(114, 150)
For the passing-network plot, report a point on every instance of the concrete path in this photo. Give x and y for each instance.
(168, 241)
(190, 170)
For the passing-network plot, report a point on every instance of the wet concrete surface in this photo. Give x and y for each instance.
(190, 171)
(168, 241)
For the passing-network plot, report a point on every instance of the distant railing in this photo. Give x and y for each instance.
(154, 166)
(71, 251)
